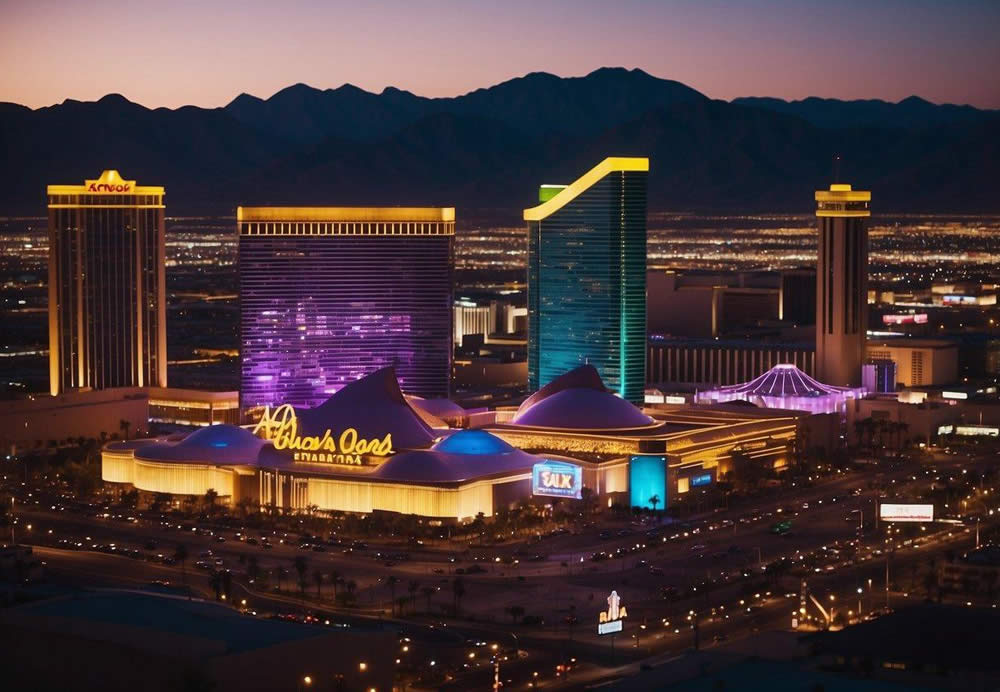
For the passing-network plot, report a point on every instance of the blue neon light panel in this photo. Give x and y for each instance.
(647, 476)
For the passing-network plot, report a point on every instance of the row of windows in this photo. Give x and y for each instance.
(100, 200)
(349, 228)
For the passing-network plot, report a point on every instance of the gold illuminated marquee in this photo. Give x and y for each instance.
(841, 200)
(110, 183)
(391, 221)
(281, 427)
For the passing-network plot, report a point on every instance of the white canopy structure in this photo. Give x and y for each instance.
(785, 386)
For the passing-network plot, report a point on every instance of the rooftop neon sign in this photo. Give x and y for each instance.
(281, 427)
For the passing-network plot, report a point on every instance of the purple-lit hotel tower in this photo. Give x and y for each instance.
(330, 294)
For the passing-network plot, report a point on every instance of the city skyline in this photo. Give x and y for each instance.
(782, 49)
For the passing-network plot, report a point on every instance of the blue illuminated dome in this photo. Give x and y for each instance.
(473, 442)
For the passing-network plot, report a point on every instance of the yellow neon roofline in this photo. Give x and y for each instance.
(386, 214)
(109, 176)
(612, 164)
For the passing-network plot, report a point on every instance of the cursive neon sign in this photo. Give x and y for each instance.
(282, 427)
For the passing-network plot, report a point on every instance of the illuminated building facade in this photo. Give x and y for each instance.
(842, 284)
(330, 294)
(107, 305)
(369, 448)
(587, 277)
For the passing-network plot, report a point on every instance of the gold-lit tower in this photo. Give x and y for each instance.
(842, 284)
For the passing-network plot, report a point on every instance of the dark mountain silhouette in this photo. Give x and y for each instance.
(912, 113)
(490, 148)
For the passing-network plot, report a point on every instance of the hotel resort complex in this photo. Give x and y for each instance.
(371, 448)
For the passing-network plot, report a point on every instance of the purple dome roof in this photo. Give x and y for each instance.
(217, 444)
(583, 409)
(583, 377)
(374, 406)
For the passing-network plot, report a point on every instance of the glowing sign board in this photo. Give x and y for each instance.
(955, 299)
(609, 627)
(915, 318)
(891, 512)
(987, 430)
(703, 479)
(610, 621)
(954, 395)
(647, 478)
(557, 479)
(281, 427)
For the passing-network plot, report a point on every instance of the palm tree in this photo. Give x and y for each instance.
(209, 500)
(124, 425)
(428, 592)
(412, 587)
(351, 587)
(654, 500)
(181, 556)
(392, 580)
(457, 591)
(301, 566)
(335, 579)
(515, 612)
(318, 578)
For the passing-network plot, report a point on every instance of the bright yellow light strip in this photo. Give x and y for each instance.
(376, 214)
(612, 164)
(838, 193)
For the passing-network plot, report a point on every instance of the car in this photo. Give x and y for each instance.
(656, 570)
(697, 547)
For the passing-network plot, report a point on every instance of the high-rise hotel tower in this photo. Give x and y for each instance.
(587, 277)
(107, 307)
(330, 294)
(842, 284)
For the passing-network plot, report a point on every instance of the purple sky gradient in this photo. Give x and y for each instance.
(205, 52)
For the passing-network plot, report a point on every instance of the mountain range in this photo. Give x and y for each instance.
(487, 151)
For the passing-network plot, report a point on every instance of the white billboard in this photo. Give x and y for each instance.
(890, 512)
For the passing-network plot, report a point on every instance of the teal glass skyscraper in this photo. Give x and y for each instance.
(587, 277)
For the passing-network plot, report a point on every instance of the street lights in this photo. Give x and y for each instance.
(859, 603)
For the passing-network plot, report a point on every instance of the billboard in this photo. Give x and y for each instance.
(647, 479)
(891, 512)
(906, 318)
(702, 479)
(610, 621)
(557, 479)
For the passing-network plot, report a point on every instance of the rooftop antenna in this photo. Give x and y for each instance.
(836, 168)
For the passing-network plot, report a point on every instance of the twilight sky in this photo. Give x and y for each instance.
(205, 52)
